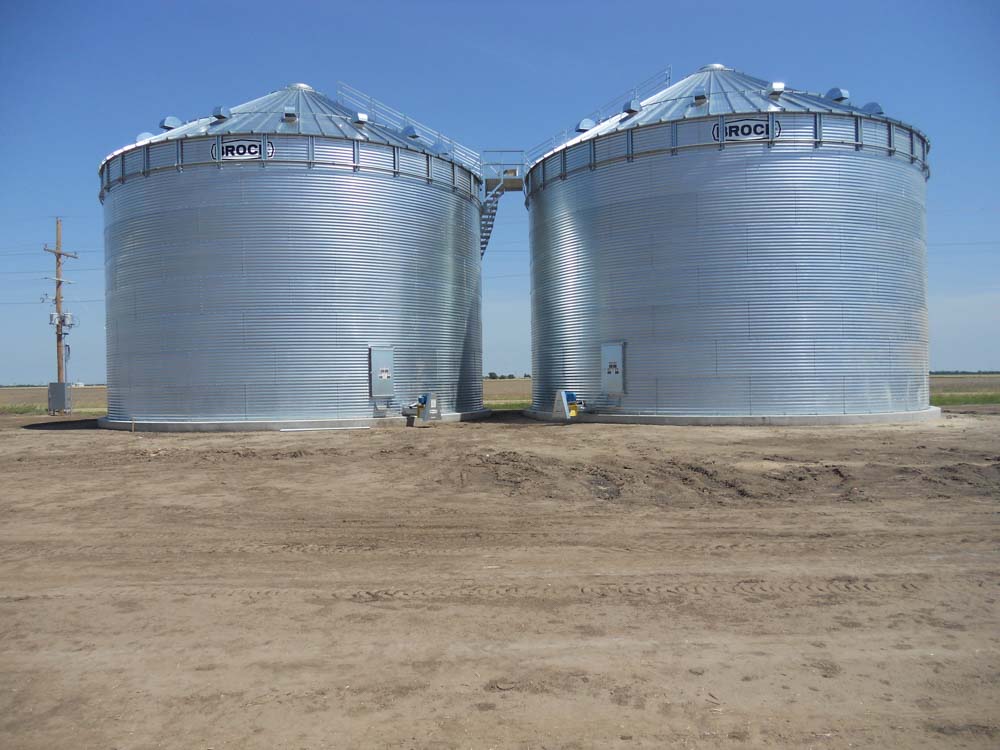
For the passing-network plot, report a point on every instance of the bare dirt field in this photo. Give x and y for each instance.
(499, 392)
(88, 398)
(503, 584)
(965, 383)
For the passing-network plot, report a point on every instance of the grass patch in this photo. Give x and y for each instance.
(39, 409)
(22, 409)
(958, 399)
(507, 405)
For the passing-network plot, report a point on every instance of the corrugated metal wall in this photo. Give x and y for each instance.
(247, 291)
(745, 280)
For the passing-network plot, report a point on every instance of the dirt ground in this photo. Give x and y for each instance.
(503, 584)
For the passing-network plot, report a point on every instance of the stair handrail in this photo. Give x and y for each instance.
(642, 90)
(382, 114)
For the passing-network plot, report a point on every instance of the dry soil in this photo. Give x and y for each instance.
(505, 584)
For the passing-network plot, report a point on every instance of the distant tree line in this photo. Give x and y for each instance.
(965, 372)
(494, 376)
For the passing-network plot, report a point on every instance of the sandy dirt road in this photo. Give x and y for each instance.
(504, 584)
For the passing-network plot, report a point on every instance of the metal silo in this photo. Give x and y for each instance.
(729, 249)
(295, 261)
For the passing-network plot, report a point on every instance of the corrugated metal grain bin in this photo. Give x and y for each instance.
(731, 249)
(293, 261)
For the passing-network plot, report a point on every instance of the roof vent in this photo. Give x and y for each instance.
(301, 86)
(700, 96)
(713, 66)
(221, 113)
(290, 115)
(632, 106)
(169, 123)
(776, 89)
(360, 118)
(441, 148)
(410, 132)
(585, 124)
(838, 95)
(143, 137)
(873, 108)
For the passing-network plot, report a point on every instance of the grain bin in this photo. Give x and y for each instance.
(295, 261)
(730, 249)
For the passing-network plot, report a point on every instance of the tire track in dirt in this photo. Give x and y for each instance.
(818, 545)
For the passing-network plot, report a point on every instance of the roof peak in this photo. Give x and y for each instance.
(300, 86)
(712, 66)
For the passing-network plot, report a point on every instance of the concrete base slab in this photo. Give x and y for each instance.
(777, 420)
(289, 425)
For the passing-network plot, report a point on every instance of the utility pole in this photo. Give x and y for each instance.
(62, 323)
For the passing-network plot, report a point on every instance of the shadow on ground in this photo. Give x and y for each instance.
(63, 424)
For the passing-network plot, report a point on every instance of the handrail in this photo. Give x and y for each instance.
(381, 113)
(651, 85)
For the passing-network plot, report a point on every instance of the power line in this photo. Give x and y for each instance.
(977, 242)
(79, 252)
(49, 302)
(75, 270)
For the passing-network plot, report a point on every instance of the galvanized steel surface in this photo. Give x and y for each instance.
(784, 275)
(716, 90)
(251, 290)
(317, 114)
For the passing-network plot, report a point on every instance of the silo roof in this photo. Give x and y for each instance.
(317, 114)
(719, 90)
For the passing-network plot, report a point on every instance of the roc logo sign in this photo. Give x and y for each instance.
(241, 148)
(746, 129)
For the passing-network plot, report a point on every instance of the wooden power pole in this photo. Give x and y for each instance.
(60, 320)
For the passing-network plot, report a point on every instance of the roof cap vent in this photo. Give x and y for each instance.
(169, 123)
(360, 118)
(776, 89)
(301, 86)
(143, 137)
(290, 115)
(585, 124)
(632, 106)
(873, 108)
(713, 66)
(838, 95)
(221, 113)
(411, 132)
(700, 96)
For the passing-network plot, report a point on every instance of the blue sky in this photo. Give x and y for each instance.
(82, 79)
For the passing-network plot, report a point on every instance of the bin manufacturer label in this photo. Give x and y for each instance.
(241, 148)
(746, 129)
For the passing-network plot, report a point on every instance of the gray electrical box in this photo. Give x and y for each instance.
(613, 368)
(60, 398)
(381, 371)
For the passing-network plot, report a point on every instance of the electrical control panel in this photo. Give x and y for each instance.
(381, 371)
(613, 368)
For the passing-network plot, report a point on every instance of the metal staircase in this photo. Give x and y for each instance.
(487, 217)
(502, 171)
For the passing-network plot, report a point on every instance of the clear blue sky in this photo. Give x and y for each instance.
(82, 79)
